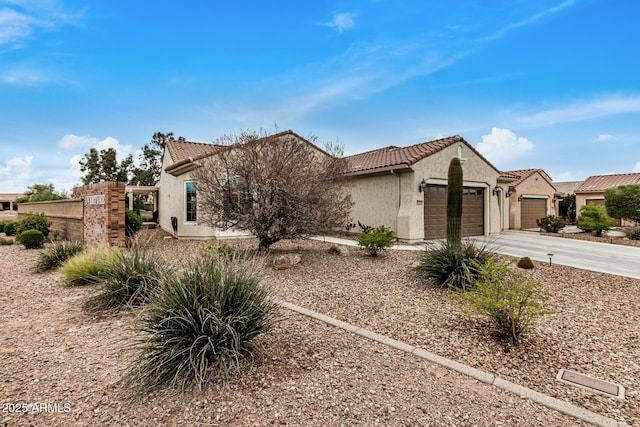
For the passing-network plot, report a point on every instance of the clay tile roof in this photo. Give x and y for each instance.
(523, 174)
(599, 183)
(182, 152)
(567, 187)
(397, 156)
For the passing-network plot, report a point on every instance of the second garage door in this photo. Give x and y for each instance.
(531, 210)
(435, 212)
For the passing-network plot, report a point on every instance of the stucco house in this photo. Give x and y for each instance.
(178, 192)
(591, 191)
(404, 188)
(8, 201)
(531, 197)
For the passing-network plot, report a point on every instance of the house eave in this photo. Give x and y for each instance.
(401, 168)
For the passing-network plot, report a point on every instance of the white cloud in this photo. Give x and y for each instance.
(21, 21)
(16, 174)
(75, 142)
(605, 137)
(18, 168)
(502, 145)
(582, 111)
(636, 168)
(72, 142)
(528, 21)
(15, 26)
(342, 21)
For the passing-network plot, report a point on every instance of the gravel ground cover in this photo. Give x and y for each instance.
(313, 374)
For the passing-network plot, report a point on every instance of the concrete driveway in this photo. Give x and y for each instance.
(602, 257)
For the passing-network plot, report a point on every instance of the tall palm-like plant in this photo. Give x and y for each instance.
(454, 203)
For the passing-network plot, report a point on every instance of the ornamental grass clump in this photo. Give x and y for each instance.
(510, 300)
(202, 324)
(87, 267)
(58, 254)
(452, 265)
(129, 280)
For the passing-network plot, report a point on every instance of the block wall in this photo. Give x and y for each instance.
(66, 217)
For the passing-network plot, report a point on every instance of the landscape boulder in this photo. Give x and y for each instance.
(286, 261)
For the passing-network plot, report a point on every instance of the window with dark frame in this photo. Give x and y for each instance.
(191, 202)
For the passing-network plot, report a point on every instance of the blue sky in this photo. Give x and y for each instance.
(551, 84)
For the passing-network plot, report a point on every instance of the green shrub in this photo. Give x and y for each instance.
(133, 222)
(510, 300)
(220, 249)
(2, 223)
(525, 263)
(129, 280)
(58, 254)
(32, 239)
(376, 239)
(33, 221)
(551, 223)
(87, 267)
(201, 324)
(632, 233)
(6, 242)
(10, 228)
(452, 265)
(593, 218)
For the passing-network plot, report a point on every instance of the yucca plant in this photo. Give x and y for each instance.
(452, 265)
(87, 267)
(201, 324)
(129, 280)
(58, 254)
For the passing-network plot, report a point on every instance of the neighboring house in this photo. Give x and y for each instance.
(531, 197)
(565, 188)
(178, 193)
(405, 188)
(8, 201)
(591, 191)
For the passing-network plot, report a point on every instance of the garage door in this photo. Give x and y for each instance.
(532, 210)
(435, 212)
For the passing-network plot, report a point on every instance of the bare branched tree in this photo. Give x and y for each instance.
(277, 187)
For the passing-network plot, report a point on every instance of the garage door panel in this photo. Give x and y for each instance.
(435, 212)
(532, 209)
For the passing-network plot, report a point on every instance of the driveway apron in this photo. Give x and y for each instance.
(602, 257)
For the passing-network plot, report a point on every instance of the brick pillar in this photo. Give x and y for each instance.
(104, 213)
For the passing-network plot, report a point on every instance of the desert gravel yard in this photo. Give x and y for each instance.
(314, 374)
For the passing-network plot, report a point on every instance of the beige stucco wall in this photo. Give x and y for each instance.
(376, 200)
(535, 187)
(394, 200)
(171, 202)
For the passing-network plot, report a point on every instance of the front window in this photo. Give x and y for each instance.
(190, 199)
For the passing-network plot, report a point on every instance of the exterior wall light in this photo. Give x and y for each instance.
(496, 190)
(422, 186)
(508, 194)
